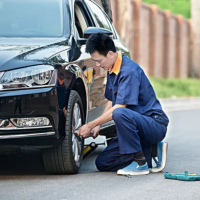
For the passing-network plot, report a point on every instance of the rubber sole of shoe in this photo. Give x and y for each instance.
(145, 172)
(164, 159)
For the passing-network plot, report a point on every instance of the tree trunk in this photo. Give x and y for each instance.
(105, 4)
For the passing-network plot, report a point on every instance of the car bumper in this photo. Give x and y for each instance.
(42, 102)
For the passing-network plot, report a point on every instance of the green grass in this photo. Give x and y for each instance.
(175, 6)
(167, 88)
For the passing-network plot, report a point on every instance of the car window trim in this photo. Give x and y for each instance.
(84, 10)
(67, 23)
(100, 9)
(88, 12)
(111, 27)
(107, 18)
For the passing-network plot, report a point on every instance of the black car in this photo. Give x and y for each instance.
(44, 72)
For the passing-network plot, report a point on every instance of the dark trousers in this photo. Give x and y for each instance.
(135, 132)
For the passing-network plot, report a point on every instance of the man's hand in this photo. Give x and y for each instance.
(95, 131)
(84, 130)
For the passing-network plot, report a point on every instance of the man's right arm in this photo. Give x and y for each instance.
(97, 128)
(107, 107)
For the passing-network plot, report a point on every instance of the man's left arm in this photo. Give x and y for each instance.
(85, 130)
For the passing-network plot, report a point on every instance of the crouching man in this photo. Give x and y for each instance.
(132, 104)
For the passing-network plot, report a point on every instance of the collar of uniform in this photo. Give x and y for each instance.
(117, 65)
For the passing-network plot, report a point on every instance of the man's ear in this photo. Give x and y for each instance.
(110, 54)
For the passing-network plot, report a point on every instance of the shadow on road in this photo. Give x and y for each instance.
(22, 162)
(30, 162)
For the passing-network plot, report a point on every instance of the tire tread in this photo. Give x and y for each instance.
(59, 159)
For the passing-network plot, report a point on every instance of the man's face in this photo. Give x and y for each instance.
(105, 62)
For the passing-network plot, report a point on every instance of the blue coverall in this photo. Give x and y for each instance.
(140, 125)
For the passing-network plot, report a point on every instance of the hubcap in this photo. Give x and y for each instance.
(76, 124)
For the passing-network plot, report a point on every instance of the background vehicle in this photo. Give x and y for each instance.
(43, 70)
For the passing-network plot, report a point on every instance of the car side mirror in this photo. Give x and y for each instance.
(74, 53)
(92, 30)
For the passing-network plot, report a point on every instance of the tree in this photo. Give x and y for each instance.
(105, 4)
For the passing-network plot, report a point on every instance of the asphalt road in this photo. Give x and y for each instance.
(23, 177)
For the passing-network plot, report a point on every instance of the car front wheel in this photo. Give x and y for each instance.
(67, 157)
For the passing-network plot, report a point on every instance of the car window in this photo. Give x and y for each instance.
(113, 29)
(82, 20)
(79, 21)
(99, 16)
(26, 18)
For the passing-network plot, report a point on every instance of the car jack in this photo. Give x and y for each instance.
(90, 149)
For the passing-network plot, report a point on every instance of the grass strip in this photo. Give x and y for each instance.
(175, 6)
(168, 88)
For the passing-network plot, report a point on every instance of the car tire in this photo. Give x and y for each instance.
(64, 159)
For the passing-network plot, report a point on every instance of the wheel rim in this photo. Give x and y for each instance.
(76, 124)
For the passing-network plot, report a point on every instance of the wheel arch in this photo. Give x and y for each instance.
(80, 88)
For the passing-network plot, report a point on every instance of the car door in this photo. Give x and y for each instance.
(102, 20)
(95, 76)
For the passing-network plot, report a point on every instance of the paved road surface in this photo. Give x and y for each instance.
(23, 177)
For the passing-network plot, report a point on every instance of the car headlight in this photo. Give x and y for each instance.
(36, 76)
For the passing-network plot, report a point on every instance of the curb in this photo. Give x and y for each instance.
(180, 104)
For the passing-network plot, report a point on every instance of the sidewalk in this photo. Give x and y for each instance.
(179, 104)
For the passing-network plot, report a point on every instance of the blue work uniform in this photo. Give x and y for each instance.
(140, 125)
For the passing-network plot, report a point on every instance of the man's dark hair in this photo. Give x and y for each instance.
(101, 43)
